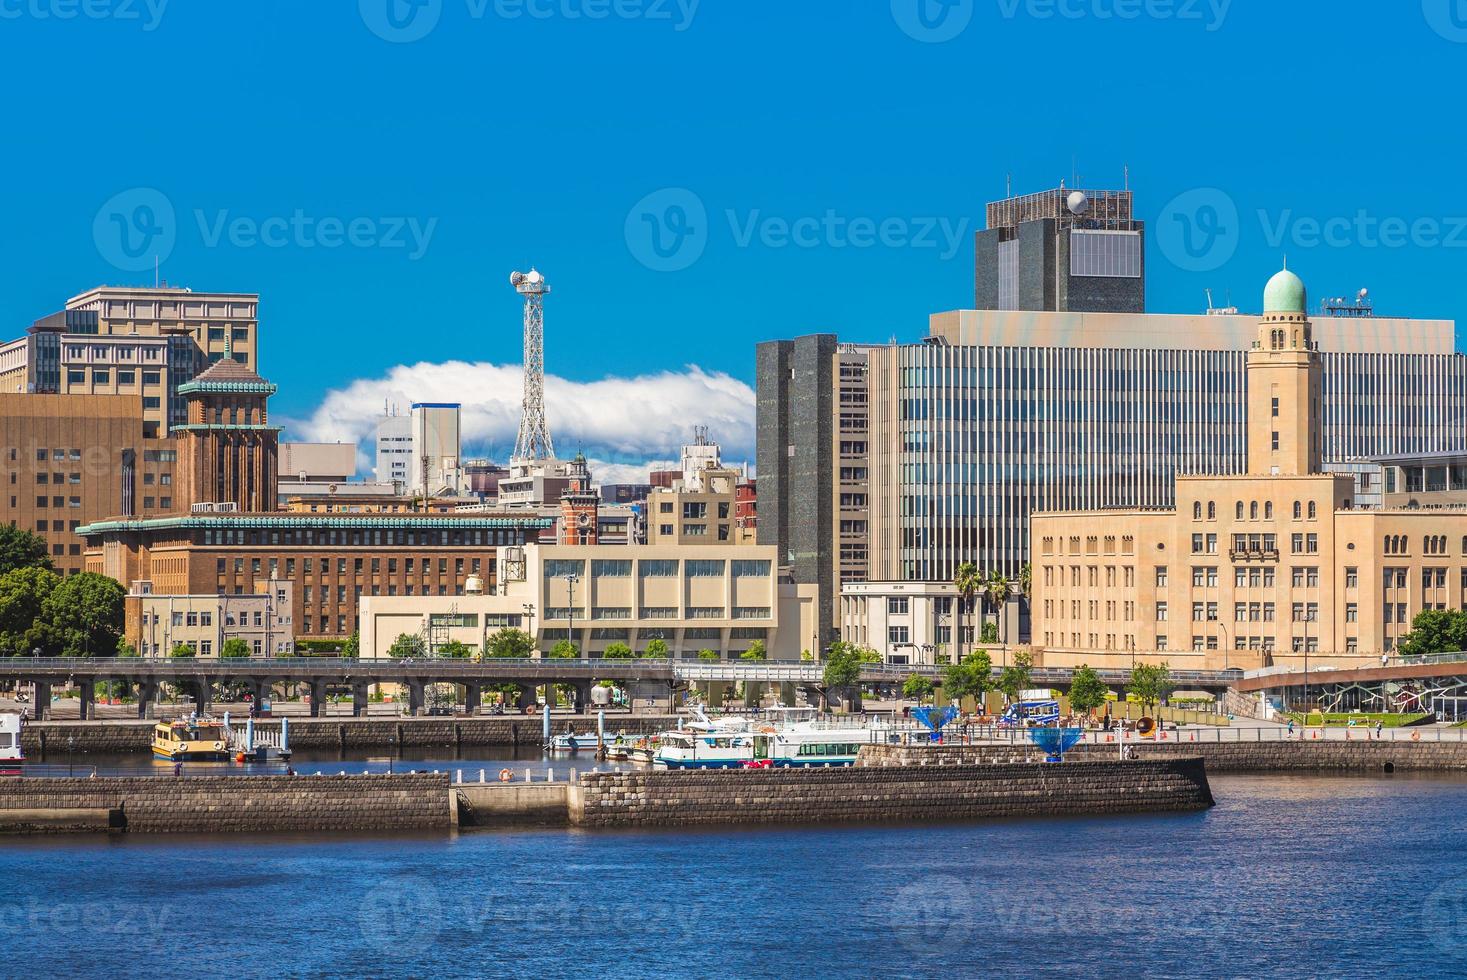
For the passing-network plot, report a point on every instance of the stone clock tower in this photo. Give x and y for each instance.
(228, 451)
(579, 506)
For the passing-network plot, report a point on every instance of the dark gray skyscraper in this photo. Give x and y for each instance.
(1061, 250)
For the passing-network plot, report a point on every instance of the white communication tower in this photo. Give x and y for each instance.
(533, 441)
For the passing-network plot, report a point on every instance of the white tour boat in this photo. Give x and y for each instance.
(790, 737)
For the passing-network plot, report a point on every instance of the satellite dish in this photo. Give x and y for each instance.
(1364, 293)
(515, 278)
(534, 278)
(1077, 202)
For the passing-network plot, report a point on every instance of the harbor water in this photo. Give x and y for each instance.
(1287, 876)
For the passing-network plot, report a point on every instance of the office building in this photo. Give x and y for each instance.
(721, 599)
(394, 449)
(317, 462)
(1277, 563)
(157, 624)
(132, 341)
(1062, 250)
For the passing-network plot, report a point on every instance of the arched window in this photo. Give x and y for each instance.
(1311, 510)
(1239, 510)
(1196, 510)
(1212, 510)
(1268, 510)
(1297, 510)
(1253, 511)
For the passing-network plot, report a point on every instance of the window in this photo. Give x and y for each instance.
(554, 567)
(1312, 510)
(896, 605)
(897, 635)
(611, 568)
(1352, 612)
(1352, 578)
(1161, 576)
(1161, 612)
(657, 568)
(749, 568)
(704, 568)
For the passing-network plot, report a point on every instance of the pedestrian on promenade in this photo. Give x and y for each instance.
(1379, 724)
(1291, 728)
(178, 768)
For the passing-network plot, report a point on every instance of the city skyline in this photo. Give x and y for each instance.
(417, 279)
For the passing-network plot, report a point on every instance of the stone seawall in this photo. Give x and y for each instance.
(803, 796)
(1275, 756)
(237, 804)
(50, 739)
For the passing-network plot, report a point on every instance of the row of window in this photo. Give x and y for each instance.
(103, 376)
(1252, 511)
(359, 565)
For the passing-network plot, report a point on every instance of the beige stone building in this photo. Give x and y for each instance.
(693, 599)
(1250, 570)
(155, 623)
(700, 514)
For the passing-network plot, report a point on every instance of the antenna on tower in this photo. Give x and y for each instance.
(533, 441)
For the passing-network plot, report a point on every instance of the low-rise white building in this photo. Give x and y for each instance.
(693, 599)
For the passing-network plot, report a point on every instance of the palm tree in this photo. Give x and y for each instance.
(997, 589)
(967, 581)
(1026, 580)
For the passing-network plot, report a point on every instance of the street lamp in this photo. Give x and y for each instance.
(529, 608)
(570, 581)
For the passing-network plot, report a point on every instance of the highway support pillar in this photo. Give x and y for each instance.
(86, 690)
(359, 699)
(472, 694)
(415, 697)
(318, 696)
(43, 701)
(147, 699)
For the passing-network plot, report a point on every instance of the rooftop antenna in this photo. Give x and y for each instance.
(1126, 181)
(533, 441)
(1008, 184)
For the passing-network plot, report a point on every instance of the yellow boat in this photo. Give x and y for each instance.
(178, 741)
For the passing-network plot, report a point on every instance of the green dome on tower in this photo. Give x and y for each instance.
(1285, 293)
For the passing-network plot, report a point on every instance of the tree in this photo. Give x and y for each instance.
(917, 687)
(707, 654)
(353, 648)
(455, 650)
(406, 645)
(565, 650)
(843, 662)
(966, 580)
(1026, 580)
(989, 633)
(1150, 683)
(656, 649)
(23, 594)
(1013, 680)
(234, 648)
(84, 615)
(1435, 631)
(22, 549)
(617, 651)
(181, 651)
(126, 649)
(805, 656)
(509, 643)
(756, 651)
(1087, 690)
(996, 590)
(970, 677)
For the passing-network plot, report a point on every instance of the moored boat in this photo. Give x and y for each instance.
(12, 754)
(192, 739)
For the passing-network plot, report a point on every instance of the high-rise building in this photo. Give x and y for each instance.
(1062, 249)
(812, 454)
(394, 449)
(1279, 562)
(126, 340)
(436, 449)
(899, 462)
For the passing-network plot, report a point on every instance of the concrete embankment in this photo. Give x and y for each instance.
(57, 739)
(1357, 756)
(225, 804)
(802, 796)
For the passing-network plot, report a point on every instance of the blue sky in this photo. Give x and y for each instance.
(567, 133)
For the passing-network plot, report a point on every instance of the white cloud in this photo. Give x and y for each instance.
(622, 424)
